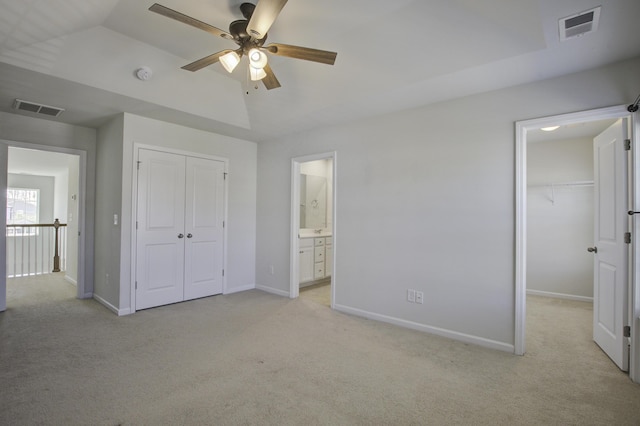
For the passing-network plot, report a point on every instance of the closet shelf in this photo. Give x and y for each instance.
(553, 185)
(574, 183)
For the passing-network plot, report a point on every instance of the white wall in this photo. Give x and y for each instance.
(315, 168)
(560, 222)
(425, 200)
(71, 207)
(108, 203)
(241, 201)
(34, 133)
(61, 189)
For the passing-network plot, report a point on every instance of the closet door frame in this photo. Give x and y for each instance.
(134, 204)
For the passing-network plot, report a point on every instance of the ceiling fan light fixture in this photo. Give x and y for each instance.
(257, 58)
(257, 73)
(229, 61)
(249, 34)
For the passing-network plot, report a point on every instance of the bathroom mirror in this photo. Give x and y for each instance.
(313, 201)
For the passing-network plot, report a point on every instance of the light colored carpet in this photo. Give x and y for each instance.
(256, 359)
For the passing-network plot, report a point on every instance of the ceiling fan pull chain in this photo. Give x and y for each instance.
(248, 79)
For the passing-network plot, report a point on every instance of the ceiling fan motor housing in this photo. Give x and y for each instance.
(238, 29)
(247, 10)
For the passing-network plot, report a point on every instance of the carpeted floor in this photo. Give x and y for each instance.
(256, 359)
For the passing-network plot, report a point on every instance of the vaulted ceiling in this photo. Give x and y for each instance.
(81, 55)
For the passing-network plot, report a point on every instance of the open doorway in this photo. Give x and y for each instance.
(567, 190)
(313, 228)
(44, 218)
(560, 227)
(560, 213)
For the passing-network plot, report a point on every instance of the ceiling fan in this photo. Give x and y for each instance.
(250, 34)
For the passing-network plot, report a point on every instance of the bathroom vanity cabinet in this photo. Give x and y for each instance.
(316, 258)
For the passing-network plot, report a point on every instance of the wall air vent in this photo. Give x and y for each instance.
(21, 105)
(579, 24)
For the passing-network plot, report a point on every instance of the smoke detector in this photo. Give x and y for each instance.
(579, 24)
(51, 111)
(144, 73)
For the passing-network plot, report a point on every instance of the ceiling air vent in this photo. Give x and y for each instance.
(579, 24)
(21, 105)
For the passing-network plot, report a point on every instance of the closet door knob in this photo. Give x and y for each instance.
(189, 235)
(592, 249)
(180, 236)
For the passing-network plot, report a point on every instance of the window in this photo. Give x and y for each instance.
(23, 206)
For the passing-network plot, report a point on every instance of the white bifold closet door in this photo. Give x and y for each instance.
(179, 238)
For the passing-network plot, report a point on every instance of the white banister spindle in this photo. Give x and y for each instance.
(28, 237)
(34, 257)
(48, 250)
(35, 251)
(15, 266)
(63, 252)
(22, 253)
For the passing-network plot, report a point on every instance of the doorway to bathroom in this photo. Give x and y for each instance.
(313, 224)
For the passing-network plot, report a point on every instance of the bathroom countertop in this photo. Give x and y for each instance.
(314, 235)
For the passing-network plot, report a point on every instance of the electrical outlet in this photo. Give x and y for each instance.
(419, 297)
(411, 295)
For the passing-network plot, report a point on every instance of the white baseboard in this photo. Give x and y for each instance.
(466, 338)
(239, 289)
(560, 295)
(71, 280)
(119, 312)
(272, 290)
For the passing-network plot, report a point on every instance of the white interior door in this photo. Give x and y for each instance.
(160, 240)
(204, 216)
(611, 261)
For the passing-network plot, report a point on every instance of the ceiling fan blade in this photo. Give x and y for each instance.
(206, 61)
(170, 13)
(306, 53)
(270, 81)
(263, 17)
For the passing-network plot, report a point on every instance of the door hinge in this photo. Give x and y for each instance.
(627, 144)
(136, 285)
(138, 165)
(223, 272)
(223, 224)
(225, 175)
(627, 237)
(626, 331)
(136, 224)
